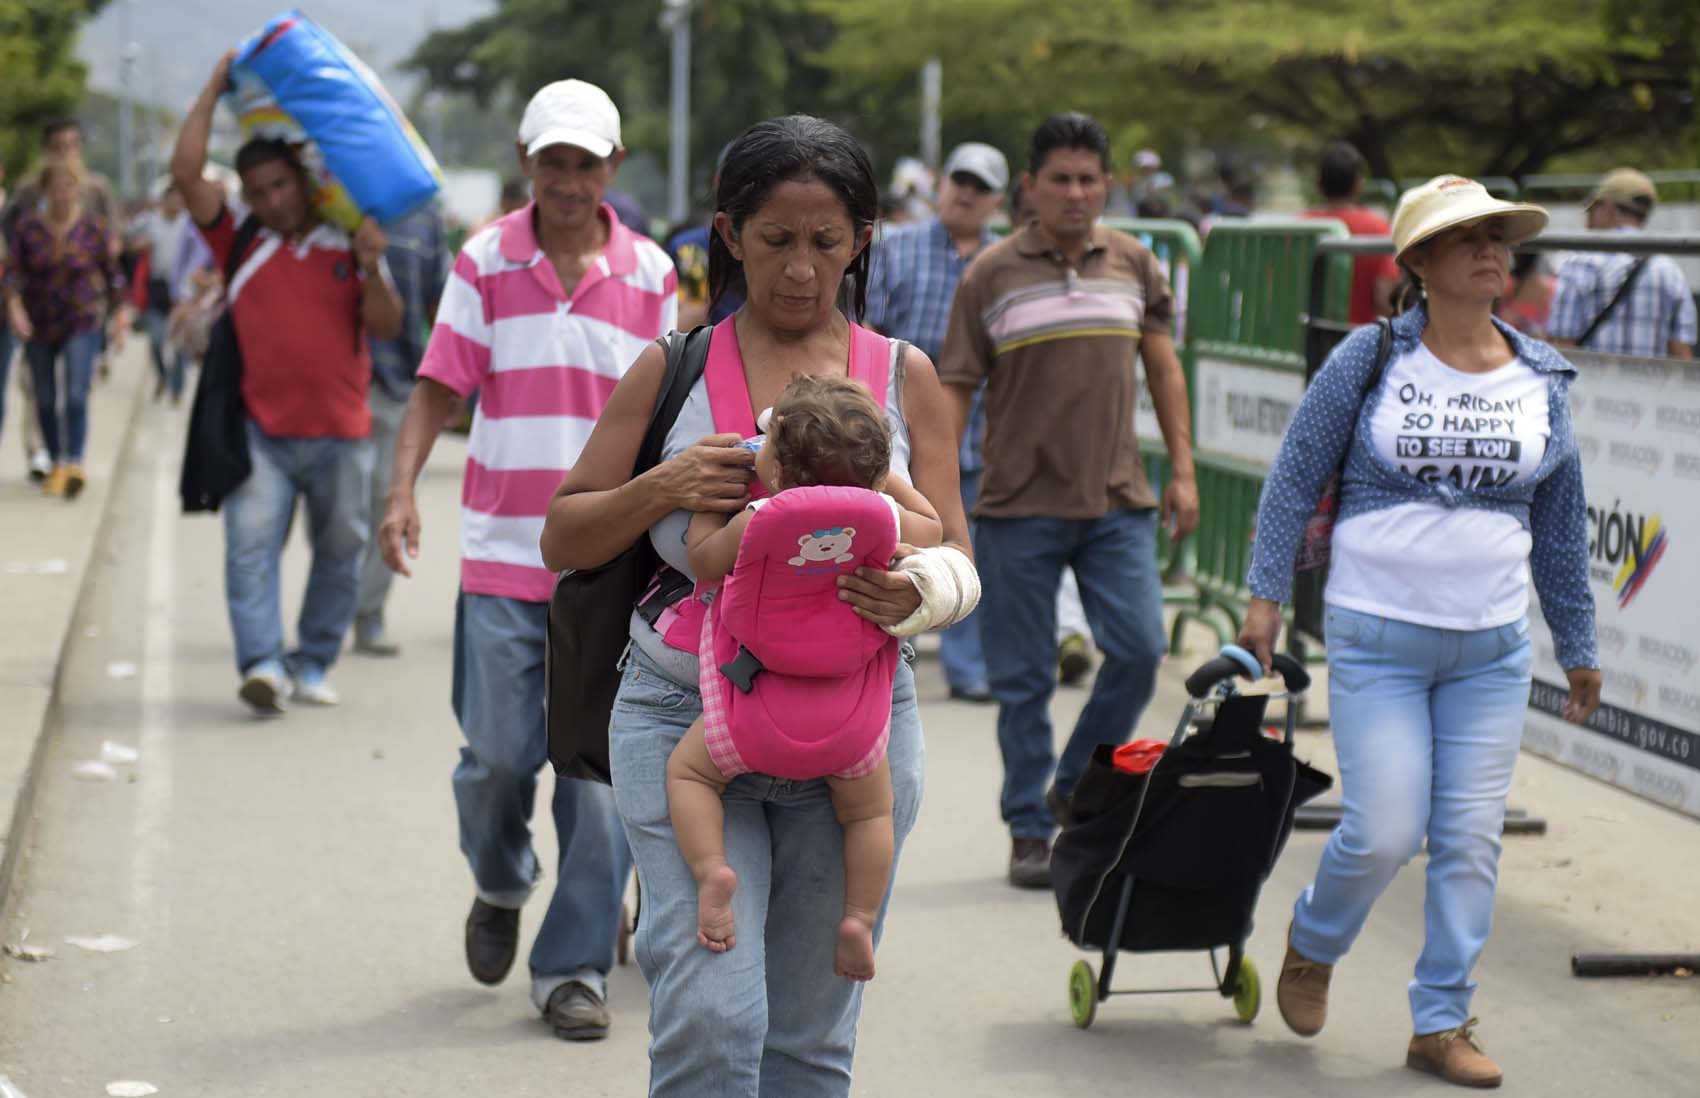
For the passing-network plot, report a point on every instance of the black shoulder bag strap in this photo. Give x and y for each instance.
(687, 356)
(1383, 348)
(245, 236)
(1623, 289)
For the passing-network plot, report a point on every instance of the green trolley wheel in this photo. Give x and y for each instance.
(1248, 991)
(1082, 994)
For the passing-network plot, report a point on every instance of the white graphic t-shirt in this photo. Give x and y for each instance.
(1448, 567)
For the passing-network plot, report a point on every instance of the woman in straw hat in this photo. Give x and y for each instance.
(1459, 477)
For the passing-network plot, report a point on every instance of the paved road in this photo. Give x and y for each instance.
(296, 896)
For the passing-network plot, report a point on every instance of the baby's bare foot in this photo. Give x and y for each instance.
(715, 928)
(855, 959)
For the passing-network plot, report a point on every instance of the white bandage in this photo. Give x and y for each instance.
(949, 588)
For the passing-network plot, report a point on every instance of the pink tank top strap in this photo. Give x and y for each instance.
(870, 361)
(728, 391)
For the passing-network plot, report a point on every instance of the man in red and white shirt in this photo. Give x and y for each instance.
(304, 298)
(545, 310)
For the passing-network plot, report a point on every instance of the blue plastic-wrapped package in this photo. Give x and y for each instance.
(295, 81)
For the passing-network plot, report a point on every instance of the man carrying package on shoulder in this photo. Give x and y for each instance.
(304, 299)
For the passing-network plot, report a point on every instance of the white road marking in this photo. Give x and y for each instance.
(150, 899)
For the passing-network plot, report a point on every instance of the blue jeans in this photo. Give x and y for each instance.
(167, 362)
(1021, 562)
(79, 351)
(333, 475)
(498, 698)
(767, 1018)
(960, 653)
(1426, 724)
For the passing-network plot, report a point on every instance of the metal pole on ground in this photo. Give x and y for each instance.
(676, 17)
(127, 52)
(932, 94)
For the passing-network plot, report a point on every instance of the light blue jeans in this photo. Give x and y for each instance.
(767, 1018)
(498, 698)
(1021, 562)
(333, 475)
(1426, 724)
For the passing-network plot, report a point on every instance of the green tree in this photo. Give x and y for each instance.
(1418, 85)
(39, 77)
(751, 59)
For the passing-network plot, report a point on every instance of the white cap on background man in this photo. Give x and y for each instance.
(571, 112)
(980, 161)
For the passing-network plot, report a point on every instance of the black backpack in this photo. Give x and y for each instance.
(215, 455)
(590, 612)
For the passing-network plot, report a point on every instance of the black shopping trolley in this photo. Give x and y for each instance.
(1173, 859)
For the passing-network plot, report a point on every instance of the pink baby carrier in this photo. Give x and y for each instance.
(805, 682)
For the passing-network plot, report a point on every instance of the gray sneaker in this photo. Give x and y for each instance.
(370, 639)
(577, 1013)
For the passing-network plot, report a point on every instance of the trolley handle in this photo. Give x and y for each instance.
(1234, 661)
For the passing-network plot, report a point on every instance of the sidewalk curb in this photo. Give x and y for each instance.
(17, 836)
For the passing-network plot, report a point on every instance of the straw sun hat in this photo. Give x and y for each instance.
(1447, 201)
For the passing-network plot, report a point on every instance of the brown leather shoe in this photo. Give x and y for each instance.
(1302, 991)
(1454, 1055)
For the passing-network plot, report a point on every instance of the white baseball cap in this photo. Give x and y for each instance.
(980, 161)
(571, 112)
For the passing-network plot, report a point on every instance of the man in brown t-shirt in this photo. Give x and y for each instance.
(1051, 320)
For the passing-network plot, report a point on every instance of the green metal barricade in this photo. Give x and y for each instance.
(1246, 334)
(1176, 247)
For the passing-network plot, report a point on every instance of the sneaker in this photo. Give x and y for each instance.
(1074, 660)
(492, 941)
(1302, 992)
(1454, 1055)
(74, 480)
(370, 639)
(41, 464)
(56, 481)
(311, 687)
(1030, 863)
(577, 1013)
(263, 688)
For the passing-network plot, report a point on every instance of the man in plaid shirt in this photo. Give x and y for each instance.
(915, 271)
(1656, 316)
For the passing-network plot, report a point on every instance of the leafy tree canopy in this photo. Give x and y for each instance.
(1419, 86)
(39, 77)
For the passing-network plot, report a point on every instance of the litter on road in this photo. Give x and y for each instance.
(118, 753)
(52, 567)
(105, 943)
(94, 770)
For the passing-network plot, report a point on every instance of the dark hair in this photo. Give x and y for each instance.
(1338, 170)
(828, 430)
(1069, 130)
(514, 190)
(258, 151)
(783, 150)
(58, 125)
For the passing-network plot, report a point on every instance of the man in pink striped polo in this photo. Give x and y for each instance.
(544, 311)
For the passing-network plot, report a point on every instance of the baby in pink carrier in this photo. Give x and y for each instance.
(794, 682)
